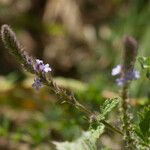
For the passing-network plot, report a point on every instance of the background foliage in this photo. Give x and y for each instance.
(82, 41)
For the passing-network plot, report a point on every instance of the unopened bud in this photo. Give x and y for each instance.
(130, 53)
(12, 44)
(10, 41)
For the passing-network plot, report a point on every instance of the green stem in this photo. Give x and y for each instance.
(112, 128)
(83, 108)
(126, 116)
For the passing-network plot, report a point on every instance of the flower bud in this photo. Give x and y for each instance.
(130, 53)
(12, 44)
(10, 41)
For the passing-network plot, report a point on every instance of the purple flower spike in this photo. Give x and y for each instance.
(41, 67)
(37, 84)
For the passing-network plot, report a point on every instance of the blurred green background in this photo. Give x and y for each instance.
(82, 42)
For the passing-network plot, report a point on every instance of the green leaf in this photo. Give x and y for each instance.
(145, 121)
(108, 105)
(87, 141)
(143, 128)
(148, 73)
(145, 62)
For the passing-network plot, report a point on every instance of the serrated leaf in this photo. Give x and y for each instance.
(108, 105)
(87, 141)
(143, 128)
(145, 121)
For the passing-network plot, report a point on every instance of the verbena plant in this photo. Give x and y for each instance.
(136, 136)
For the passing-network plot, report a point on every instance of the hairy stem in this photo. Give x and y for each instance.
(130, 54)
(126, 117)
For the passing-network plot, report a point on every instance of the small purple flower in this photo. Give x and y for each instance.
(37, 84)
(116, 70)
(120, 81)
(136, 74)
(47, 68)
(41, 67)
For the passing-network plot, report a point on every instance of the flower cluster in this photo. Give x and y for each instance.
(131, 75)
(40, 67)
